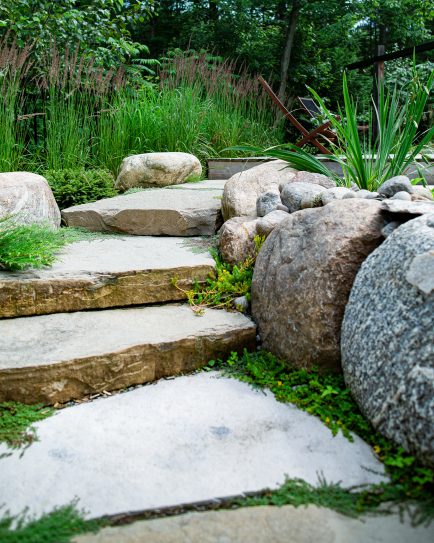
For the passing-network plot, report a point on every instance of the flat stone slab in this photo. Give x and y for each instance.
(55, 358)
(154, 212)
(108, 272)
(184, 440)
(267, 524)
(411, 208)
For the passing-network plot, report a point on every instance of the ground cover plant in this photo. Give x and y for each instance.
(325, 395)
(16, 421)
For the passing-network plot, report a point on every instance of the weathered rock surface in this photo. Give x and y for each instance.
(243, 189)
(337, 193)
(107, 272)
(401, 195)
(178, 441)
(314, 179)
(153, 212)
(396, 184)
(294, 193)
(388, 337)
(28, 198)
(408, 208)
(309, 524)
(421, 192)
(266, 224)
(236, 242)
(157, 170)
(267, 202)
(303, 276)
(55, 358)
(363, 193)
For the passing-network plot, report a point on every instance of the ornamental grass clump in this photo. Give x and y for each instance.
(368, 161)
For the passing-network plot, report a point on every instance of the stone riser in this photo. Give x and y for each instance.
(38, 297)
(57, 358)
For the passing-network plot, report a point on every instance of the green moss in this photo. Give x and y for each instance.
(59, 526)
(16, 421)
(326, 397)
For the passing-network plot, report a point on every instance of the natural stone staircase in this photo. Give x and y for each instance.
(51, 350)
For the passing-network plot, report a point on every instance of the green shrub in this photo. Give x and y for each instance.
(72, 187)
(28, 246)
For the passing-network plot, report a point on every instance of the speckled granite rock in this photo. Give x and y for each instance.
(267, 202)
(236, 242)
(408, 208)
(337, 193)
(388, 337)
(294, 194)
(303, 276)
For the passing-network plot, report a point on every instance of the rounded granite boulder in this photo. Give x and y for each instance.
(387, 339)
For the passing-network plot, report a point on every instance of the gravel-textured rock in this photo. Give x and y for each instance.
(337, 193)
(236, 242)
(28, 198)
(267, 202)
(157, 170)
(266, 225)
(303, 276)
(243, 189)
(394, 185)
(388, 338)
(294, 193)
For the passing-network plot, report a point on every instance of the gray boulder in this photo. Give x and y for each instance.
(412, 209)
(267, 224)
(28, 198)
(294, 193)
(401, 195)
(157, 170)
(303, 276)
(388, 338)
(267, 202)
(363, 193)
(337, 193)
(394, 185)
(243, 189)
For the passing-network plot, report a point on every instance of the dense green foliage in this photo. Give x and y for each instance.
(16, 421)
(326, 396)
(28, 246)
(74, 187)
(59, 526)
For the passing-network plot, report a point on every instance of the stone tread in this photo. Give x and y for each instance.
(171, 211)
(59, 357)
(180, 441)
(107, 272)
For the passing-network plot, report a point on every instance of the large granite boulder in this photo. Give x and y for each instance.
(28, 198)
(237, 239)
(388, 337)
(243, 189)
(303, 277)
(157, 170)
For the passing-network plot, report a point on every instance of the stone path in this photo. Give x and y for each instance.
(107, 272)
(267, 525)
(184, 440)
(181, 210)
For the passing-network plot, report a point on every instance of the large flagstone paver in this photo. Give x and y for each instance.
(183, 440)
(168, 211)
(267, 524)
(108, 272)
(55, 358)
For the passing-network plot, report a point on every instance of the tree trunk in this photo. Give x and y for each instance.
(286, 56)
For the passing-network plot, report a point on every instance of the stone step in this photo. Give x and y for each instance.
(191, 209)
(180, 441)
(56, 358)
(107, 272)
